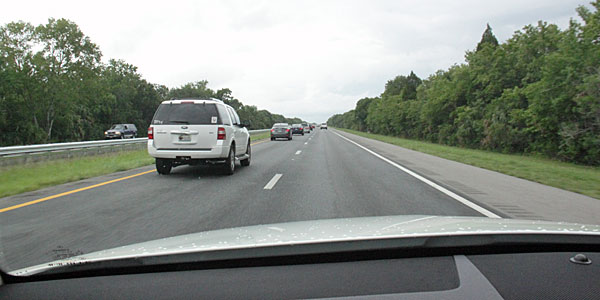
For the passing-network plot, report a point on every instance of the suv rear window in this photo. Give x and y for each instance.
(186, 113)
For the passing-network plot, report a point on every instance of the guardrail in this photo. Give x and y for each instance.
(31, 149)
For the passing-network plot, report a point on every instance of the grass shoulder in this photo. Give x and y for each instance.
(576, 178)
(29, 177)
(260, 136)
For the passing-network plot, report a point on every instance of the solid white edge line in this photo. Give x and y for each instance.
(436, 186)
(273, 181)
(298, 152)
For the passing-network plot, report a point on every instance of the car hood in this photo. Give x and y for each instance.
(321, 231)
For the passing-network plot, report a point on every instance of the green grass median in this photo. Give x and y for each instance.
(29, 177)
(260, 136)
(580, 179)
(33, 176)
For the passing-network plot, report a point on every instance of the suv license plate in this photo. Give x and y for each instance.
(184, 138)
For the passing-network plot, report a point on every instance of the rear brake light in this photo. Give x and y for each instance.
(272, 130)
(221, 133)
(287, 130)
(150, 133)
(187, 102)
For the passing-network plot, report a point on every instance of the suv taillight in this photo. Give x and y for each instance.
(221, 133)
(150, 133)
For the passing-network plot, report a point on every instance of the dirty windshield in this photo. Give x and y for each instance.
(413, 109)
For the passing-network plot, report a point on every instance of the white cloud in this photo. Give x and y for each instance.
(298, 58)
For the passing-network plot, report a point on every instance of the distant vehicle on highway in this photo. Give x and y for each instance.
(198, 132)
(298, 129)
(306, 127)
(281, 130)
(323, 125)
(121, 131)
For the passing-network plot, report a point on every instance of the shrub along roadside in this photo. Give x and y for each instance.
(568, 176)
(30, 177)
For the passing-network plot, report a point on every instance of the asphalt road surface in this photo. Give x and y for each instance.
(316, 176)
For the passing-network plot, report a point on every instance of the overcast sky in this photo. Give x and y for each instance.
(309, 59)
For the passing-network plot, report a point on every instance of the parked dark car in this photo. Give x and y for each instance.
(121, 131)
(281, 130)
(298, 129)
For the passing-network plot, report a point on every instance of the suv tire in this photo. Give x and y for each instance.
(163, 166)
(246, 162)
(229, 166)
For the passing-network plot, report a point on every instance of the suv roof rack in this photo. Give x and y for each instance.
(195, 98)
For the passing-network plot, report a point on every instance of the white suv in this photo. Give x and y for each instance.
(197, 132)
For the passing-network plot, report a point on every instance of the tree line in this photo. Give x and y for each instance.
(538, 92)
(55, 88)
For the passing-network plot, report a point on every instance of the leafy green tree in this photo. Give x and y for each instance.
(66, 62)
(226, 95)
(19, 88)
(195, 90)
(50, 64)
(362, 111)
(405, 86)
(129, 98)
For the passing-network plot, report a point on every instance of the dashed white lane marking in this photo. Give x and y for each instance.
(449, 193)
(306, 143)
(273, 181)
(298, 152)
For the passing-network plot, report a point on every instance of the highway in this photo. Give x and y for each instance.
(316, 176)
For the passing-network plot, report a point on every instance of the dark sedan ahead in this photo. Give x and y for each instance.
(298, 129)
(281, 130)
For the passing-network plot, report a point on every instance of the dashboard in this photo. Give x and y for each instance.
(532, 275)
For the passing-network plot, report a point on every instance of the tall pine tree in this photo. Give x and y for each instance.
(488, 37)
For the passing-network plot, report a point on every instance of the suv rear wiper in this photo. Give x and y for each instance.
(180, 122)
